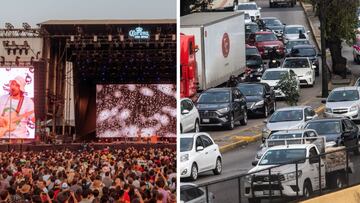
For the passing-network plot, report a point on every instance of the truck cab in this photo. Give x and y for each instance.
(188, 68)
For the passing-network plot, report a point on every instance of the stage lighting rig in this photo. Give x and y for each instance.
(9, 26)
(26, 26)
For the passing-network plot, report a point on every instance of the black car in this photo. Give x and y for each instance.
(260, 98)
(250, 28)
(306, 50)
(338, 131)
(254, 63)
(275, 25)
(222, 107)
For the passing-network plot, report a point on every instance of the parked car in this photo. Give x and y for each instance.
(292, 32)
(286, 134)
(275, 25)
(189, 118)
(356, 50)
(198, 153)
(265, 41)
(291, 43)
(254, 64)
(191, 193)
(288, 118)
(337, 131)
(272, 77)
(260, 98)
(308, 51)
(303, 68)
(250, 8)
(222, 107)
(250, 28)
(343, 102)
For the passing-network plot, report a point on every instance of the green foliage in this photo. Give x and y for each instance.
(289, 86)
(341, 20)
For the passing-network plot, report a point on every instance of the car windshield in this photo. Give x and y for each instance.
(292, 43)
(252, 51)
(266, 37)
(280, 156)
(294, 30)
(325, 127)
(272, 22)
(286, 136)
(343, 95)
(247, 7)
(251, 90)
(288, 115)
(251, 28)
(273, 75)
(186, 144)
(214, 97)
(253, 60)
(296, 63)
(303, 52)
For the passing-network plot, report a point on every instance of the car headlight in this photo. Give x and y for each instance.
(223, 110)
(328, 110)
(248, 178)
(309, 73)
(184, 157)
(354, 108)
(292, 175)
(259, 103)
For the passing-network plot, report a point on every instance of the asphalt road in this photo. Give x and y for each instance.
(288, 16)
(239, 160)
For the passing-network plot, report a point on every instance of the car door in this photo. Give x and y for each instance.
(314, 168)
(201, 156)
(353, 129)
(192, 194)
(210, 151)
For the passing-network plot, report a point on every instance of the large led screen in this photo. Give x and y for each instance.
(136, 110)
(17, 117)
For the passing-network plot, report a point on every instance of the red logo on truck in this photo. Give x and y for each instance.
(225, 45)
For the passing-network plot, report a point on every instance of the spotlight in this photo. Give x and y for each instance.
(9, 26)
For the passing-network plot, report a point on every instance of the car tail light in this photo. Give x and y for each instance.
(247, 70)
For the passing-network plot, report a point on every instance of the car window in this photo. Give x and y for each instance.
(199, 142)
(311, 134)
(206, 141)
(313, 152)
(348, 125)
(186, 104)
(296, 63)
(190, 192)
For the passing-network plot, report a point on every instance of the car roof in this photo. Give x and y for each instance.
(291, 146)
(294, 26)
(346, 88)
(303, 46)
(270, 18)
(277, 69)
(251, 23)
(219, 89)
(296, 58)
(292, 108)
(247, 3)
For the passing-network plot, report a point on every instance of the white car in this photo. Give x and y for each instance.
(198, 153)
(292, 32)
(288, 118)
(303, 68)
(189, 118)
(191, 193)
(272, 77)
(343, 102)
(250, 8)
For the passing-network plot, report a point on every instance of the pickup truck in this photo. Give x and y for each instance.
(273, 3)
(286, 181)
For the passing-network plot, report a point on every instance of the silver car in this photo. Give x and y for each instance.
(288, 118)
(343, 102)
(191, 193)
(292, 32)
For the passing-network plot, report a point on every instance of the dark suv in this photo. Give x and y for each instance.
(222, 107)
(306, 50)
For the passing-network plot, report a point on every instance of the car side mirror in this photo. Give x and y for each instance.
(308, 118)
(254, 163)
(265, 121)
(199, 148)
(313, 67)
(323, 101)
(185, 111)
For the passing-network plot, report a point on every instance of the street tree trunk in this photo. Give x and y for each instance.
(338, 61)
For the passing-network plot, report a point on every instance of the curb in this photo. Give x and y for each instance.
(232, 146)
(318, 44)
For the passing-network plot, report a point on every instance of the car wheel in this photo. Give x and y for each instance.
(218, 166)
(244, 120)
(197, 126)
(307, 190)
(194, 172)
(232, 122)
(266, 111)
(254, 200)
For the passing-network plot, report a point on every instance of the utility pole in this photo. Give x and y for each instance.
(324, 70)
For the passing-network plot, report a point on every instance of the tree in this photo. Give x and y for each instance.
(289, 86)
(341, 24)
(188, 6)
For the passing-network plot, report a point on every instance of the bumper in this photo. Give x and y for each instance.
(306, 80)
(351, 115)
(277, 191)
(185, 170)
(215, 121)
(256, 110)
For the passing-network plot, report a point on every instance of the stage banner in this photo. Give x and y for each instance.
(136, 110)
(17, 117)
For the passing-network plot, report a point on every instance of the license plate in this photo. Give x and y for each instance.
(267, 192)
(206, 120)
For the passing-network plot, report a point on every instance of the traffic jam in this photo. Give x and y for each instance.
(232, 64)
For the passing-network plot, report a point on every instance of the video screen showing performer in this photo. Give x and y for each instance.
(136, 110)
(17, 117)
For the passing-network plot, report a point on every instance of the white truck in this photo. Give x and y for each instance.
(286, 181)
(220, 37)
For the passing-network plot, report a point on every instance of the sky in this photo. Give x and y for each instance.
(36, 11)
